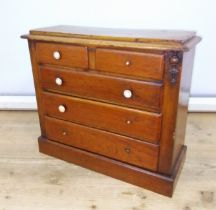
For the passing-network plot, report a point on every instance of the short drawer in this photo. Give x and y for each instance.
(115, 146)
(131, 93)
(137, 64)
(125, 121)
(62, 55)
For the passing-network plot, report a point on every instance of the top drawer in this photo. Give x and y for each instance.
(62, 55)
(137, 64)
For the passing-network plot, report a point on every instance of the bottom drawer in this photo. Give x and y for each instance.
(112, 145)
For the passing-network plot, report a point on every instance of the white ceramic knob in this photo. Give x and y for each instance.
(56, 55)
(127, 93)
(58, 81)
(128, 122)
(127, 63)
(61, 108)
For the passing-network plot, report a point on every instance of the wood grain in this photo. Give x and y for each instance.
(104, 143)
(107, 166)
(141, 65)
(71, 56)
(182, 111)
(134, 35)
(143, 125)
(169, 110)
(36, 77)
(145, 95)
(175, 113)
(122, 38)
(151, 46)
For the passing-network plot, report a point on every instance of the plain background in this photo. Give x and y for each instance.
(17, 17)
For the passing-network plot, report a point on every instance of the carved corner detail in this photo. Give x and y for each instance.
(174, 61)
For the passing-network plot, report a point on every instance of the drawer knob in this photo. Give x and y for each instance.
(64, 133)
(58, 81)
(128, 122)
(127, 63)
(127, 93)
(56, 55)
(127, 150)
(174, 60)
(61, 108)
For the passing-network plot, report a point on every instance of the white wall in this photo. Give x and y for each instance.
(17, 17)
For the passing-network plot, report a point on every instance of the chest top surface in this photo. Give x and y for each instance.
(157, 39)
(135, 35)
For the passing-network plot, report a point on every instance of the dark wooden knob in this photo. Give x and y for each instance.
(174, 60)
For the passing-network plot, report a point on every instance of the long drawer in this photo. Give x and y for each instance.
(118, 147)
(127, 92)
(136, 64)
(129, 122)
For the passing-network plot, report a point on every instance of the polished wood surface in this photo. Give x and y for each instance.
(169, 110)
(137, 176)
(123, 89)
(137, 46)
(145, 95)
(135, 35)
(143, 125)
(104, 143)
(70, 56)
(142, 65)
(182, 111)
(38, 90)
(117, 38)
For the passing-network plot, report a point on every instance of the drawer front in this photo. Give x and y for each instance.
(144, 65)
(129, 122)
(62, 55)
(101, 142)
(132, 93)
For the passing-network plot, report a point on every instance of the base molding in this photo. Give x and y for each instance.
(149, 180)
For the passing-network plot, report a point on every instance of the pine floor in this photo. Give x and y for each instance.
(33, 181)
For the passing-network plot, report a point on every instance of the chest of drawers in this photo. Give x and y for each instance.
(114, 101)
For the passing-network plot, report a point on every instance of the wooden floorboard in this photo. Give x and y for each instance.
(33, 181)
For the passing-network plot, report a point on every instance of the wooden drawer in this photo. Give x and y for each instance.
(145, 95)
(129, 122)
(62, 55)
(118, 147)
(137, 64)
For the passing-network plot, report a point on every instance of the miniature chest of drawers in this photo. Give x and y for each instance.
(114, 101)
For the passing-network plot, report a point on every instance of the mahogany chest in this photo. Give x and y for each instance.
(114, 101)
